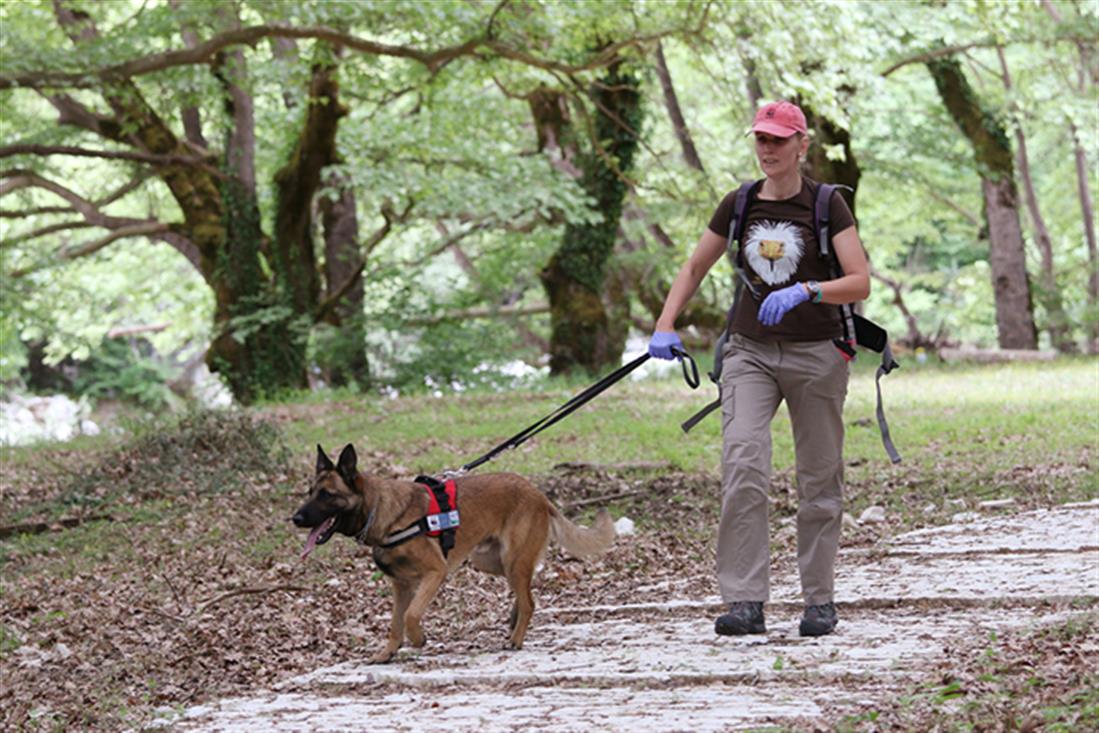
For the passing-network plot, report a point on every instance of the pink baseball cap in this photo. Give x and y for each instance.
(781, 119)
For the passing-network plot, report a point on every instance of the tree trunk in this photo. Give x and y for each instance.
(1060, 330)
(343, 262)
(1088, 212)
(297, 281)
(297, 183)
(1007, 258)
(221, 218)
(1088, 68)
(585, 336)
(671, 102)
(820, 167)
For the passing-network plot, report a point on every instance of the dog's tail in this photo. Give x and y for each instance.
(583, 542)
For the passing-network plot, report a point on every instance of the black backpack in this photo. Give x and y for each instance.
(856, 328)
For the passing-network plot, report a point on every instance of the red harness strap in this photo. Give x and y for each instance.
(450, 493)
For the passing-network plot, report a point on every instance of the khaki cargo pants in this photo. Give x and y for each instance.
(756, 376)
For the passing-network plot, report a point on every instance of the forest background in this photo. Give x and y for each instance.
(393, 195)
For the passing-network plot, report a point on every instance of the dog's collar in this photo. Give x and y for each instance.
(361, 536)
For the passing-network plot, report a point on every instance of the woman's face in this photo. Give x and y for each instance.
(778, 156)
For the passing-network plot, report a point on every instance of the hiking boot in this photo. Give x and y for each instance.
(818, 620)
(744, 617)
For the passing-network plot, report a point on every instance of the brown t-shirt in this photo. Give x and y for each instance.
(779, 248)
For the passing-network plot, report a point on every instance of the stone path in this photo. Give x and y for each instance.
(901, 605)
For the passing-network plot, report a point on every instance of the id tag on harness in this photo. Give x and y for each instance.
(439, 522)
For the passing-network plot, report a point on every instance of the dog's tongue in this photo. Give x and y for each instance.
(311, 541)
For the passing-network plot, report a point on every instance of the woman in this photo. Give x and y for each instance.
(781, 347)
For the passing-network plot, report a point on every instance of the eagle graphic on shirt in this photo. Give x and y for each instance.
(773, 249)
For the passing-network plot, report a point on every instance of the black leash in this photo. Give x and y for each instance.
(576, 402)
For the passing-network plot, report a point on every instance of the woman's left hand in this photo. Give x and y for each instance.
(780, 302)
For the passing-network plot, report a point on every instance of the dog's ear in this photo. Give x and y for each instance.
(348, 465)
(324, 463)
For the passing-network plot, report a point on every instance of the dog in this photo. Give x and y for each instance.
(505, 527)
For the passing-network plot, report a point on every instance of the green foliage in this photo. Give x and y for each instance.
(119, 370)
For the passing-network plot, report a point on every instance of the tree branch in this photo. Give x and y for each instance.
(16, 179)
(53, 228)
(915, 337)
(87, 248)
(72, 112)
(203, 52)
(391, 217)
(135, 230)
(675, 113)
(190, 115)
(27, 149)
(483, 312)
(19, 178)
(938, 53)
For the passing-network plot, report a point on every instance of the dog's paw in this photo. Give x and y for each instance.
(382, 656)
(417, 639)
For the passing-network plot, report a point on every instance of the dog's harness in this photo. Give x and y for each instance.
(441, 519)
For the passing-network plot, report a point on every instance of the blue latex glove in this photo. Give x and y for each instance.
(780, 302)
(662, 343)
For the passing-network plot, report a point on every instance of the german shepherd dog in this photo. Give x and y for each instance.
(506, 524)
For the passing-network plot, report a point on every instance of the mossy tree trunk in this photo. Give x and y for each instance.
(262, 313)
(586, 334)
(820, 167)
(995, 163)
(343, 263)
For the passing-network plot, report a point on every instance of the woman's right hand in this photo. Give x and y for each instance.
(662, 343)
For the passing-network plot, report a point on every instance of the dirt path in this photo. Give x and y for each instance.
(659, 667)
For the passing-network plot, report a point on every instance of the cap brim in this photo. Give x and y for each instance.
(775, 129)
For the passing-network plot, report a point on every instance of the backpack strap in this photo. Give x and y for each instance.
(822, 215)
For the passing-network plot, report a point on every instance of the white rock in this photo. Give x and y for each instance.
(873, 515)
(87, 427)
(624, 526)
(849, 521)
(996, 503)
(929, 509)
(965, 517)
(209, 390)
(29, 419)
(960, 503)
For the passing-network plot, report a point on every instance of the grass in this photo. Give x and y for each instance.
(970, 433)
